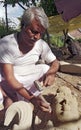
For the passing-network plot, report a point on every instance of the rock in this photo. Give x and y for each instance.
(70, 67)
(66, 107)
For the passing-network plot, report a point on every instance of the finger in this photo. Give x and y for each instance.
(45, 109)
(46, 83)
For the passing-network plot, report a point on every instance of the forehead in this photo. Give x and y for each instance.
(36, 24)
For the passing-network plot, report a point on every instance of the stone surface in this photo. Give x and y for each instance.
(68, 67)
(49, 121)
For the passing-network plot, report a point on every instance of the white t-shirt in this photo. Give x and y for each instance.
(25, 68)
(10, 53)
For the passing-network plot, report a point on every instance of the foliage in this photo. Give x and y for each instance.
(56, 22)
(49, 7)
(24, 2)
(57, 25)
(56, 41)
(4, 32)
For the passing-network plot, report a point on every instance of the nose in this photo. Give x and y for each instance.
(37, 36)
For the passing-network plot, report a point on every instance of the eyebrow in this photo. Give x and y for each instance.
(34, 31)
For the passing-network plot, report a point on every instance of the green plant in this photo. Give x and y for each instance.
(56, 41)
(3, 31)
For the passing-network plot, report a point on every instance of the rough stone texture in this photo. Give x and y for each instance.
(66, 106)
(70, 67)
(51, 122)
(48, 121)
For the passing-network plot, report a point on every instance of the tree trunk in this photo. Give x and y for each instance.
(6, 16)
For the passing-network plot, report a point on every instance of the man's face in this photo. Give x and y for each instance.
(33, 32)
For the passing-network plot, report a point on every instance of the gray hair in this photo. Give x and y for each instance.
(34, 13)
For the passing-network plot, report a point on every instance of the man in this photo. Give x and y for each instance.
(19, 54)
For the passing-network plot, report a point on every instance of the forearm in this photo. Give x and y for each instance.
(51, 73)
(23, 92)
(13, 82)
(53, 68)
(19, 88)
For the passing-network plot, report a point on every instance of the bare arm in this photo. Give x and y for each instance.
(51, 73)
(15, 84)
(7, 100)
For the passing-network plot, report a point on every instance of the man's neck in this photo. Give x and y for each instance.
(23, 47)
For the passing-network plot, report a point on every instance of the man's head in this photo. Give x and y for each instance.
(34, 23)
(34, 13)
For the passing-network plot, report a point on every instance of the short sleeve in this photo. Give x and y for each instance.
(47, 54)
(5, 53)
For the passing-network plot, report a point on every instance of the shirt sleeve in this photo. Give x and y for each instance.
(47, 54)
(5, 53)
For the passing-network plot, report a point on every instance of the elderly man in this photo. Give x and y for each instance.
(19, 54)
